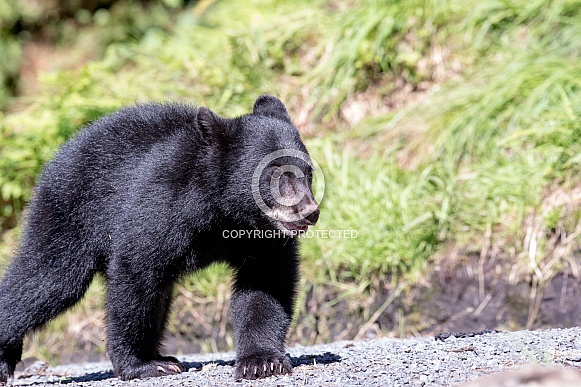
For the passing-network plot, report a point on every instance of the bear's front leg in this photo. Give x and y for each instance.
(262, 306)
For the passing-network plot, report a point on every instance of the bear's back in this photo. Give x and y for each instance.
(119, 141)
(134, 130)
(92, 170)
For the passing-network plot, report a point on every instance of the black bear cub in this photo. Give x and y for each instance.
(148, 194)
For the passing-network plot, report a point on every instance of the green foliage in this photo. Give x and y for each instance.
(347, 49)
(506, 97)
(10, 60)
(388, 212)
(512, 125)
(488, 20)
(373, 41)
(495, 142)
(85, 27)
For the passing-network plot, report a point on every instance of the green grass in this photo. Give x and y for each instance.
(394, 224)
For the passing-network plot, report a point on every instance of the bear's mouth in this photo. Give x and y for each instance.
(295, 226)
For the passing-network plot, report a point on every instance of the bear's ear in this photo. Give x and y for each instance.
(211, 125)
(269, 106)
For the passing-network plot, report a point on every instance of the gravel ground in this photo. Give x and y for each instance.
(381, 362)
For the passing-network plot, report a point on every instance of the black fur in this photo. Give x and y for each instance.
(143, 197)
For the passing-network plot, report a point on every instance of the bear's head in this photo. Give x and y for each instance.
(266, 170)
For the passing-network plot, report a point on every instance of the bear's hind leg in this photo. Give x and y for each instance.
(10, 355)
(33, 291)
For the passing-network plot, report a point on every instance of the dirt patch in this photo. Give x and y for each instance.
(458, 295)
(471, 296)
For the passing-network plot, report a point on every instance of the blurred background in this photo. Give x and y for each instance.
(448, 132)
